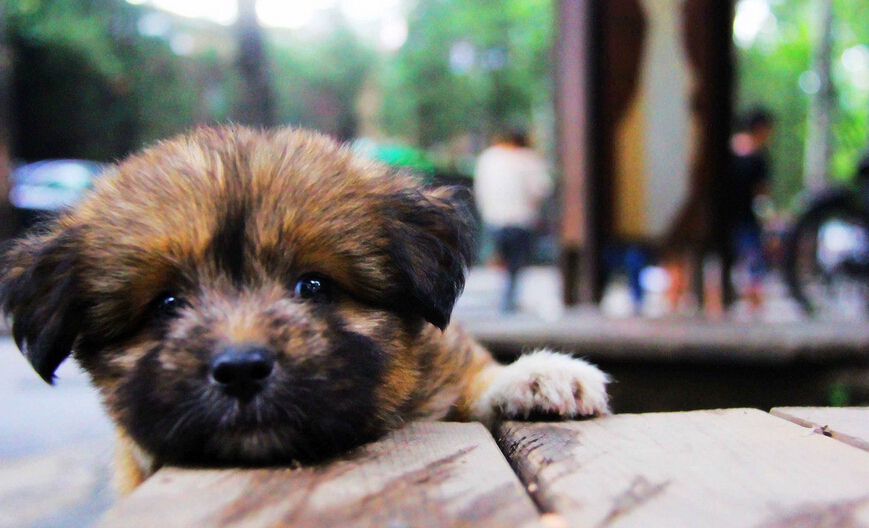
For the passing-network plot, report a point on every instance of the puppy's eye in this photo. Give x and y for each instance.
(168, 305)
(312, 286)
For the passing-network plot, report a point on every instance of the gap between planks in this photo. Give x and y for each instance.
(846, 424)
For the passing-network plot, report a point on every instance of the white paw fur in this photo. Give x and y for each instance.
(545, 382)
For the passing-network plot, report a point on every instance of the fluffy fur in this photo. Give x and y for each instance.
(246, 297)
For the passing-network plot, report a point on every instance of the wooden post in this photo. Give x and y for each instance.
(709, 47)
(600, 50)
(572, 73)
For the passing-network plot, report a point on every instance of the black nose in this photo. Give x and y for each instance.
(242, 366)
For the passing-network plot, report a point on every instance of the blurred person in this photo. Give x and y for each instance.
(510, 184)
(748, 187)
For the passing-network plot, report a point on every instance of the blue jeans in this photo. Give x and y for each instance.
(514, 244)
(748, 244)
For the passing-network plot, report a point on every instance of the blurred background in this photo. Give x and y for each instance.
(634, 107)
(97, 79)
(427, 84)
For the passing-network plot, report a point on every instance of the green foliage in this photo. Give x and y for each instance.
(78, 27)
(67, 79)
(769, 73)
(88, 85)
(317, 83)
(97, 88)
(499, 71)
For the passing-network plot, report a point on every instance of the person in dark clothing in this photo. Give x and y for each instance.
(749, 181)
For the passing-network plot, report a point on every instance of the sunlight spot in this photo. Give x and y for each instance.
(182, 44)
(393, 32)
(752, 17)
(810, 82)
(293, 14)
(368, 10)
(221, 11)
(855, 60)
(462, 57)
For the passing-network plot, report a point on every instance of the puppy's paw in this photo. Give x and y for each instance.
(547, 383)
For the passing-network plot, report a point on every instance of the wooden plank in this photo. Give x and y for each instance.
(730, 468)
(846, 424)
(425, 475)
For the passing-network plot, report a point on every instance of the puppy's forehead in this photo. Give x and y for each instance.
(288, 199)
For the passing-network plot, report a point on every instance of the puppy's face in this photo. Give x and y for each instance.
(243, 297)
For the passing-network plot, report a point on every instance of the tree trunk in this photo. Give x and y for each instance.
(5, 86)
(817, 155)
(8, 218)
(256, 99)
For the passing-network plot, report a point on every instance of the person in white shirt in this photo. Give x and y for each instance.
(510, 183)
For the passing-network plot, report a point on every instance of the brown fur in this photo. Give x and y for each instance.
(226, 221)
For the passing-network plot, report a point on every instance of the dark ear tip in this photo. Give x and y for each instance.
(45, 367)
(39, 293)
(437, 306)
(47, 377)
(46, 370)
(45, 361)
(440, 322)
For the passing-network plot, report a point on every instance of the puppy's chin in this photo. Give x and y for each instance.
(213, 428)
(269, 444)
(305, 411)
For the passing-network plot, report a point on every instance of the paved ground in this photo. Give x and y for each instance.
(55, 442)
(55, 447)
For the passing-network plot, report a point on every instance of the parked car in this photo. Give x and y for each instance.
(41, 189)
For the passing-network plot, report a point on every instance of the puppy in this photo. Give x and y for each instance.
(248, 297)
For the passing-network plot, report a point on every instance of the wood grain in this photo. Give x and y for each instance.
(733, 468)
(846, 424)
(426, 475)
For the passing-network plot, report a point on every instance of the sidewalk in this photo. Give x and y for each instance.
(56, 448)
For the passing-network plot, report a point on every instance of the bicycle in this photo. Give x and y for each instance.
(826, 252)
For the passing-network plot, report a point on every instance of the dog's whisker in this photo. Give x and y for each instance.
(180, 423)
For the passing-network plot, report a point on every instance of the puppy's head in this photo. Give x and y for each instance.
(243, 296)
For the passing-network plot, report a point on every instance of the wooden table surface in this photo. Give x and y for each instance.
(730, 468)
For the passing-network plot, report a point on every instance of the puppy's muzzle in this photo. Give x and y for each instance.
(242, 370)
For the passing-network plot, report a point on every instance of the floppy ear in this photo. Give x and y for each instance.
(39, 290)
(432, 246)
